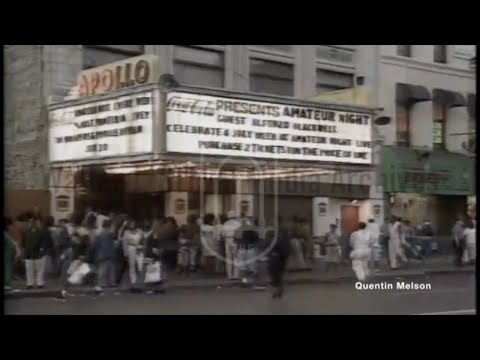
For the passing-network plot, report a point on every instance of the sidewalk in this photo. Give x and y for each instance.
(316, 275)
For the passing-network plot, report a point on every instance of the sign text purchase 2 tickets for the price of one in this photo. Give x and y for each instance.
(220, 126)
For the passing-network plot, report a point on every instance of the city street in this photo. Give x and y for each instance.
(449, 294)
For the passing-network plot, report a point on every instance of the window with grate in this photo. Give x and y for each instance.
(439, 125)
(98, 55)
(271, 77)
(440, 53)
(199, 67)
(328, 80)
(403, 124)
(404, 50)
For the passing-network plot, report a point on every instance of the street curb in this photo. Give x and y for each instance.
(302, 281)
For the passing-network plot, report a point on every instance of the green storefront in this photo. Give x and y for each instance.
(427, 184)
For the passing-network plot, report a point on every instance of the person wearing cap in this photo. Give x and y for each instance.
(228, 233)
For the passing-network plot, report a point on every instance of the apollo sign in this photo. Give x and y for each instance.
(138, 70)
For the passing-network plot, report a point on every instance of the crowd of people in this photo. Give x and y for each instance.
(116, 244)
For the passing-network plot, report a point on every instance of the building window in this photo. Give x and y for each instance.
(403, 124)
(278, 48)
(271, 77)
(439, 125)
(199, 67)
(404, 50)
(328, 80)
(98, 55)
(335, 53)
(440, 54)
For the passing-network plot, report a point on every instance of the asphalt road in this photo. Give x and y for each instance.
(449, 294)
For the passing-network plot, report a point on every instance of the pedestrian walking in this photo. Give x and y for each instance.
(307, 241)
(209, 240)
(51, 259)
(396, 238)
(11, 252)
(37, 244)
(170, 237)
(120, 258)
(104, 255)
(133, 248)
(333, 250)
(228, 233)
(458, 240)
(374, 230)
(296, 242)
(189, 240)
(247, 239)
(385, 237)
(361, 251)
(277, 260)
(470, 236)
(345, 244)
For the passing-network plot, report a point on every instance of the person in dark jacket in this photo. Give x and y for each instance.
(277, 259)
(37, 244)
(171, 243)
(104, 256)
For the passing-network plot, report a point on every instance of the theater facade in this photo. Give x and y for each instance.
(148, 150)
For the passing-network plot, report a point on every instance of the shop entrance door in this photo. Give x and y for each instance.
(349, 218)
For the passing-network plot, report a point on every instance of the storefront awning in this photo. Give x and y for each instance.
(408, 94)
(449, 98)
(471, 104)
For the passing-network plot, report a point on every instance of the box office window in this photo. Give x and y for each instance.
(271, 77)
(199, 67)
(440, 54)
(328, 80)
(439, 125)
(98, 55)
(404, 50)
(403, 124)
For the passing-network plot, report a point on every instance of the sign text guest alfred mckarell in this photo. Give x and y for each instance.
(398, 285)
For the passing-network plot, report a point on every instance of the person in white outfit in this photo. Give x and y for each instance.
(396, 240)
(209, 239)
(132, 241)
(228, 233)
(374, 230)
(361, 251)
(470, 236)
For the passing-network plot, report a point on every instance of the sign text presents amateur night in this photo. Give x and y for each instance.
(210, 125)
(115, 127)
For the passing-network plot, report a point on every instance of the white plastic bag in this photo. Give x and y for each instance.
(153, 273)
(77, 277)
(74, 266)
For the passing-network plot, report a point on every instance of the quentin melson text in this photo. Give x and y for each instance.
(399, 285)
